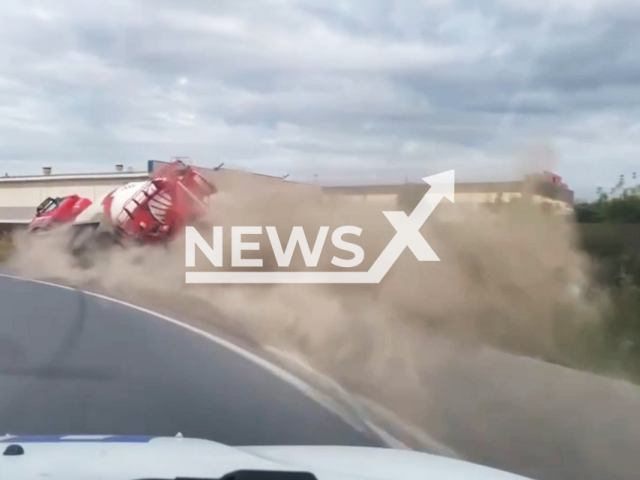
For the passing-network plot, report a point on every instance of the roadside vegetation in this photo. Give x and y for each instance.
(609, 229)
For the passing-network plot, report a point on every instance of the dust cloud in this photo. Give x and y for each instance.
(448, 347)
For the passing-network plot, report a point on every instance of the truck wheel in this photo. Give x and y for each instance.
(82, 238)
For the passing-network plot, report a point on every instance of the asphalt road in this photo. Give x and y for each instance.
(76, 364)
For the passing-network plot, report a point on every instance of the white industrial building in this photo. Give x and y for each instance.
(20, 195)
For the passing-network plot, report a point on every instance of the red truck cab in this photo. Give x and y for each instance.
(57, 211)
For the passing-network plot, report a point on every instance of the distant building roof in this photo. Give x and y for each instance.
(155, 165)
(546, 189)
(482, 187)
(75, 176)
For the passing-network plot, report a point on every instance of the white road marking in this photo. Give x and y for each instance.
(367, 408)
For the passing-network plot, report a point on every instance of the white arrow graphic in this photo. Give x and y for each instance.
(407, 236)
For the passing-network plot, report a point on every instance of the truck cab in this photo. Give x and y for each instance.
(57, 211)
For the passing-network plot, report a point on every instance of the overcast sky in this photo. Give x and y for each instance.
(351, 90)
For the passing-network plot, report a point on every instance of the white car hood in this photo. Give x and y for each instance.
(133, 458)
